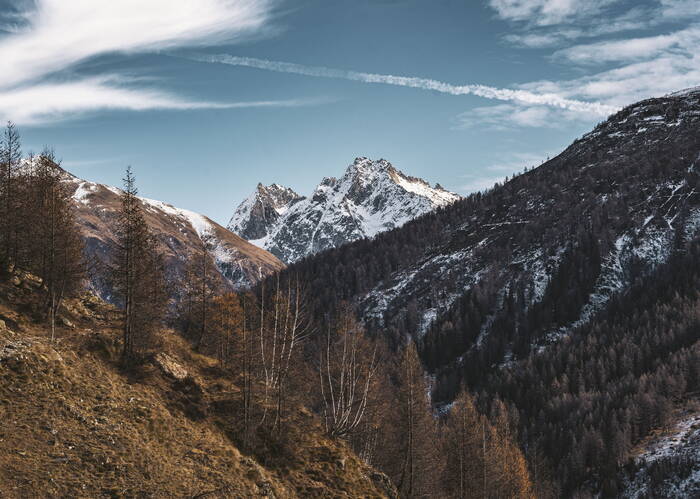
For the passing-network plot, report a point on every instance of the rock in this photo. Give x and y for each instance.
(266, 489)
(384, 484)
(170, 368)
(66, 323)
(16, 281)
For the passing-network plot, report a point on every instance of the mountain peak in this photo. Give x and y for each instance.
(262, 208)
(371, 197)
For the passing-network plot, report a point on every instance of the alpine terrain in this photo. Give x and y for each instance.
(570, 292)
(179, 233)
(371, 197)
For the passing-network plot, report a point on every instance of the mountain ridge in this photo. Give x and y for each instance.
(180, 233)
(370, 197)
(502, 289)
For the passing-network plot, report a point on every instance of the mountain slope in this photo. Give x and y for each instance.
(77, 424)
(626, 192)
(566, 291)
(180, 233)
(371, 197)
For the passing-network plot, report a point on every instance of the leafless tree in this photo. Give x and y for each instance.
(10, 157)
(55, 247)
(283, 325)
(346, 371)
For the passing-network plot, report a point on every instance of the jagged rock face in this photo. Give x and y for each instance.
(262, 210)
(371, 197)
(179, 234)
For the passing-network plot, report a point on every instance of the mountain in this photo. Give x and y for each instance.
(371, 197)
(570, 292)
(180, 233)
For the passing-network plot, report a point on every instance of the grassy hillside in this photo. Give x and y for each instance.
(75, 424)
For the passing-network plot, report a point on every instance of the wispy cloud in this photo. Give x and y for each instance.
(547, 12)
(487, 92)
(634, 67)
(632, 49)
(509, 116)
(497, 172)
(48, 37)
(51, 102)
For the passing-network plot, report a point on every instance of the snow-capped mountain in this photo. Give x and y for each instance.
(262, 210)
(371, 197)
(180, 233)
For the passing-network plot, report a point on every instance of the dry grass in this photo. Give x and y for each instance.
(74, 424)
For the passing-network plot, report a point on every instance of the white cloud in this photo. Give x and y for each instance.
(551, 36)
(503, 94)
(508, 116)
(62, 33)
(497, 172)
(636, 67)
(50, 102)
(680, 8)
(56, 35)
(547, 12)
(631, 49)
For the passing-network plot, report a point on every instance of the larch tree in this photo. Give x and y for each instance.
(200, 289)
(10, 158)
(138, 273)
(283, 324)
(419, 465)
(227, 327)
(347, 367)
(55, 246)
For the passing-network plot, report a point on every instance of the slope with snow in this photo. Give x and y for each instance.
(179, 233)
(371, 197)
(669, 465)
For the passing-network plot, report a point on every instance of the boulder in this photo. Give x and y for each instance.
(170, 367)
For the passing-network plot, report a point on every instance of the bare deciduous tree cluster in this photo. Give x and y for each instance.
(38, 232)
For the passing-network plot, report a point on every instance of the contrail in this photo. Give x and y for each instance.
(503, 94)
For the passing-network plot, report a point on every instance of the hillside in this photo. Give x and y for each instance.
(76, 425)
(371, 197)
(180, 233)
(540, 290)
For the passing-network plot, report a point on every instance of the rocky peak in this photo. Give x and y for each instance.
(370, 197)
(261, 209)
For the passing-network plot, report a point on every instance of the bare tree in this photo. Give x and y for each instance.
(346, 371)
(55, 245)
(283, 324)
(200, 290)
(10, 157)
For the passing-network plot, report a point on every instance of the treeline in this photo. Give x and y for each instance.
(573, 208)
(365, 393)
(38, 233)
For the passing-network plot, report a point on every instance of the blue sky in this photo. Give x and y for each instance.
(207, 98)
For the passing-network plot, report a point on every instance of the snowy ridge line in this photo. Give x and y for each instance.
(371, 197)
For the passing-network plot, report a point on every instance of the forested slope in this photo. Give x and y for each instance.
(569, 292)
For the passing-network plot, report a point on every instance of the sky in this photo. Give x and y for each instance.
(206, 98)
